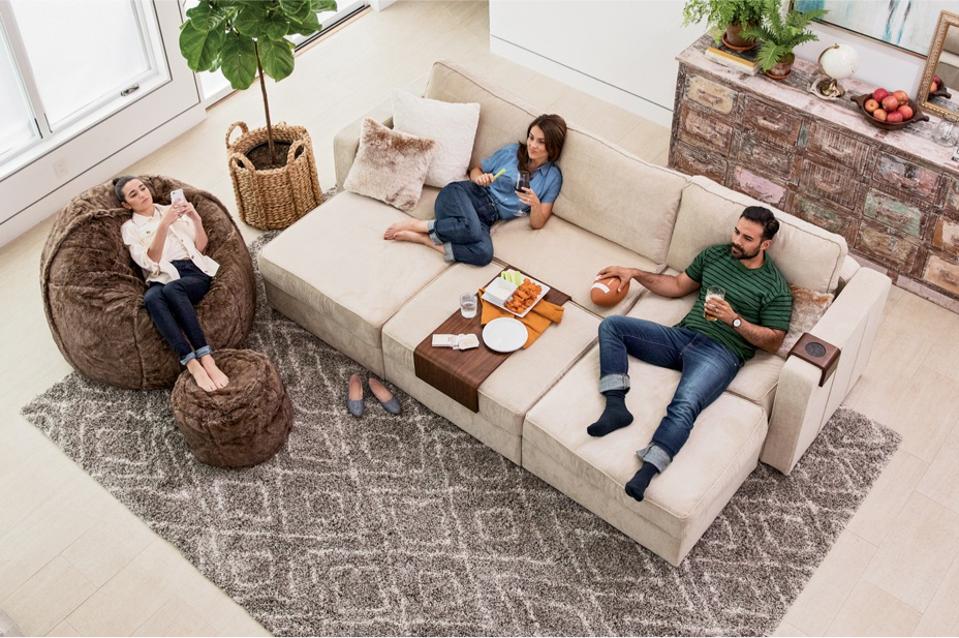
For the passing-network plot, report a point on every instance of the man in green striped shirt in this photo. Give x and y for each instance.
(744, 303)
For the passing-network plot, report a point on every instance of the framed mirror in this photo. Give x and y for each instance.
(939, 87)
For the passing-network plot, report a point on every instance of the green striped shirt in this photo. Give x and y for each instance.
(759, 296)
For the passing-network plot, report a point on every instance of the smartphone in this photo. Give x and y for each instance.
(177, 196)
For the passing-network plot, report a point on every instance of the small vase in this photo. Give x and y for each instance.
(782, 69)
(733, 39)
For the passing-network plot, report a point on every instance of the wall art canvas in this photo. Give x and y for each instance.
(907, 24)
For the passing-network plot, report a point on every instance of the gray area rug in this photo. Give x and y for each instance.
(408, 525)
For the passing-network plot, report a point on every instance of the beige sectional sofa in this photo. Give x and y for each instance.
(376, 300)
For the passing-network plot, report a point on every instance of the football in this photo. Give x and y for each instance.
(603, 293)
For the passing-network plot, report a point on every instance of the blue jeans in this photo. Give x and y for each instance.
(707, 367)
(464, 213)
(170, 306)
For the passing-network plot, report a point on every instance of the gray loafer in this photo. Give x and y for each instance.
(354, 406)
(392, 406)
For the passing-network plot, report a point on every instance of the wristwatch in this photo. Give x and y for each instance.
(737, 322)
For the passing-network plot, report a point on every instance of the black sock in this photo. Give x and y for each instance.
(638, 484)
(615, 415)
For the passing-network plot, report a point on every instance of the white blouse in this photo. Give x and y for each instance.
(138, 233)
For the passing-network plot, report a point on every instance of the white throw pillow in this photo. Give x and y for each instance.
(451, 125)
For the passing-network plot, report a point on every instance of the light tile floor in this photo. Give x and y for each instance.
(73, 561)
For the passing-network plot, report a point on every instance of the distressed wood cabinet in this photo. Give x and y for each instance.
(894, 195)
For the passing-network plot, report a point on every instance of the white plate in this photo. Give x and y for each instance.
(505, 334)
(542, 293)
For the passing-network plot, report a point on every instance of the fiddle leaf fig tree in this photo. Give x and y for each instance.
(246, 38)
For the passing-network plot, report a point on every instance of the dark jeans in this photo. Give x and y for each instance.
(464, 214)
(171, 308)
(707, 367)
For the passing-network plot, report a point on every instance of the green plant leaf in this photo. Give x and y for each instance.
(276, 25)
(238, 61)
(205, 17)
(251, 20)
(277, 58)
(296, 10)
(319, 6)
(310, 26)
(201, 48)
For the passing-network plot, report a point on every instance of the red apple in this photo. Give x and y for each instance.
(933, 86)
(879, 114)
(870, 105)
(906, 111)
(902, 96)
(890, 103)
(937, 79)
(894, 118)
(879, 94)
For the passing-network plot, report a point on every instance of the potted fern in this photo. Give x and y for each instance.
(726, 19)
(272, 168)
(779, 35)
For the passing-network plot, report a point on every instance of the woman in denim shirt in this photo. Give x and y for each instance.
(466, 210)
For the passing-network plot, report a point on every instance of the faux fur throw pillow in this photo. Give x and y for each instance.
(808, 309)
(390, 166)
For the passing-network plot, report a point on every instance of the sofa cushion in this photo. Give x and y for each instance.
(602, 201)
(721, 451)
(451, 126)
(756, 381)
(807, 255)
(567, 257)
(424, 208)
(390, 166)
(616, 195)
(336, 260)
(808, 308)
(503, 116)
(512, 389)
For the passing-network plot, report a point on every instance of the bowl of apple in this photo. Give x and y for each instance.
(890, 111)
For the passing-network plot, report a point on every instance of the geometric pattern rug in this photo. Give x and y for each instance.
(407, 525)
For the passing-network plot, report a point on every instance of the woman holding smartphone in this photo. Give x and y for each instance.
(167, 242)
(517, 180)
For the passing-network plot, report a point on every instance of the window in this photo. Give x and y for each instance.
(17, 126)
(72, 64)
(214, 86)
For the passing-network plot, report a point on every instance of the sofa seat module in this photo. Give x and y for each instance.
(333, 274)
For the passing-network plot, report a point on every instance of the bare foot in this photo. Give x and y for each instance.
(219, 379)
(356, 388)
(417, 225)
(417, 238)
(202, 379)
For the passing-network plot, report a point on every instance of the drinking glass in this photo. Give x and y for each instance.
(712, 292)
(468, 305)
(522, 181)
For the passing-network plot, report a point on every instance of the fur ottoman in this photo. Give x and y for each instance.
(241, 425)
(93, 292)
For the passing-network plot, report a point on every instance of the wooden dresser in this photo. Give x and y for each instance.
(894, 195)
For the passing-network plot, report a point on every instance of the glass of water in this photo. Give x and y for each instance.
(712, 292)
(468, 305)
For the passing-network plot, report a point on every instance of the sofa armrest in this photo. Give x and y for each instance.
(801, 407)
(347, 141)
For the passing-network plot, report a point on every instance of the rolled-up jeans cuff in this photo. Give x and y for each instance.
(615, 381)
(188, 358)
(655, 455)
(431, 231)
(202, 352)
(448, 252)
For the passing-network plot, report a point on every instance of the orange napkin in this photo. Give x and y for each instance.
(537, 320)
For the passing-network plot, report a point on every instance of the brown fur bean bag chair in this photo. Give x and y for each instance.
(243, 424)
(93, 291)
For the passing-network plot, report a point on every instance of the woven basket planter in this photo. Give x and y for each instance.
(273, 198)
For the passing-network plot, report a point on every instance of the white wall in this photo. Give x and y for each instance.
(623, 51)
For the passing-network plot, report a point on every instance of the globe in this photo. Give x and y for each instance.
(838, 62)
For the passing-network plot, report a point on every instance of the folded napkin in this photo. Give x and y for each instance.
(537, 320)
